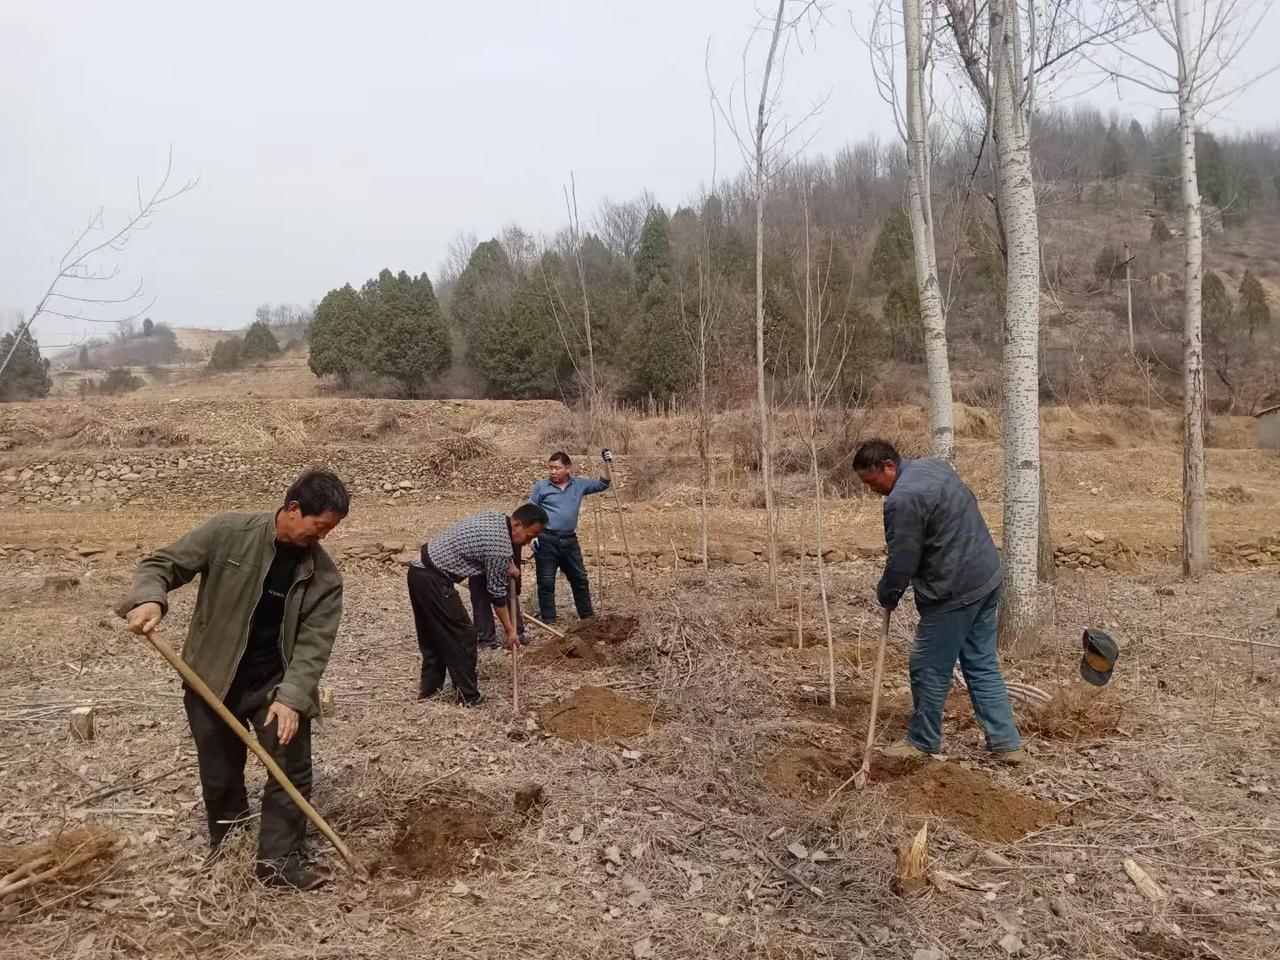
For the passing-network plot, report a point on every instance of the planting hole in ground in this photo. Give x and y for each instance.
(434, 841)
(853, 710)
(970, 801)
(590, 714)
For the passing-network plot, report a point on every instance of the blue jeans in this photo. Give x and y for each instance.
(968, 635)
(560, 551)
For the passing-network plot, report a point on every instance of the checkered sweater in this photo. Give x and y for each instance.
(476, 545)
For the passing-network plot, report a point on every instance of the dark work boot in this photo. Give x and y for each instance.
(291, 873)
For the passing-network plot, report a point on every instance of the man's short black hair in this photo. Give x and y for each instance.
(873, 454)
(529, 515)
(561, 457)
(319, 491)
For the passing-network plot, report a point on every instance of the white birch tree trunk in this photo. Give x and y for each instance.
(1017, 203)
(1195, 539)
(920, 202)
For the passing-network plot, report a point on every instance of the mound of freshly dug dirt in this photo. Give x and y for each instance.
(586, 644)
(605, 628)
(574, 652)
(438, 840)
(971, 801)
(596, 713)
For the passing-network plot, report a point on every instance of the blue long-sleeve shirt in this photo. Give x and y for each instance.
(562, 504)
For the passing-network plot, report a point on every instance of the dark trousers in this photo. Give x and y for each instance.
(482, 613)
(560, 551)
(446, 636)
(968, 635)
(222, 755)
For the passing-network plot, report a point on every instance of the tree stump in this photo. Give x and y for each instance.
(82, 723)
(913, 864)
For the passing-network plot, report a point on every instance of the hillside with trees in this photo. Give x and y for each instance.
(512, 321)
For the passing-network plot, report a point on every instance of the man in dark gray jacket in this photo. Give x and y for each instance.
(938, 544)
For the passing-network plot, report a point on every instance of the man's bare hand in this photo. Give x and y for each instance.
(513, 638)
(286, 720)
(513, 572)
(145, 617)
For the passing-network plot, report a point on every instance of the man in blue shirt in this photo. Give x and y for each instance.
(560, 494)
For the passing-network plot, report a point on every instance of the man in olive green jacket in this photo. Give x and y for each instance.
(265, 619)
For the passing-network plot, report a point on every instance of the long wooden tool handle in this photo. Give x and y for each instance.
(515, 651)
(617, 500)
(875, 692)
(208, 696)
(545, 626)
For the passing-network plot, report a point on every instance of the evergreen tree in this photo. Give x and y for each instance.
(481, 305)
(891, 257)
(227, 354)
(902, 323)
(339, 336)
(1255, 313)
(1106, 263)
(1115, 159)
(660, 364)
(1160, 232)
(147, 326)
(410, 343)
(120, 380)
(653, 256)
(526, 355)
(27, 375)
(259, 343)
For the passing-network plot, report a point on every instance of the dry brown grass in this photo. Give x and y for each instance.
(1182, 781)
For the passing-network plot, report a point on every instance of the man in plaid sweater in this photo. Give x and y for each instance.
(485, 545)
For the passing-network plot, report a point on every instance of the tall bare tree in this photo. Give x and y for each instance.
(768, 152)
(1204, 38)
(911, 116)
(826, 346)
(76, 290)
(1003, 77)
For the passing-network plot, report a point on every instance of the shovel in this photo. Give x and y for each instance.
(860, 778)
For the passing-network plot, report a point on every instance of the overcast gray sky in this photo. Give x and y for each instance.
(333, 139)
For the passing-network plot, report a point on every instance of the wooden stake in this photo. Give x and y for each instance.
(197, 684)
(860, 778)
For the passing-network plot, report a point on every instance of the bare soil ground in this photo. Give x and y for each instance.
(675, 791)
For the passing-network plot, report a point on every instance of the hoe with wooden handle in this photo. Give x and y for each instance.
(860, 778)
(208, 696)
(515, 651)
